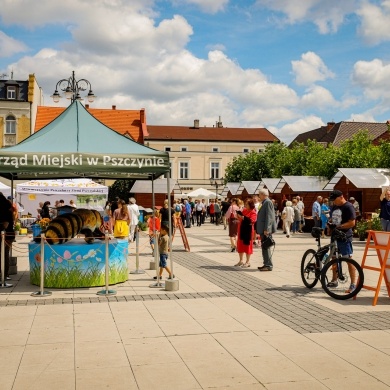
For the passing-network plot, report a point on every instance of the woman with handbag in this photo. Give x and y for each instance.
(121, 220)
(247, 219)
(231, 217)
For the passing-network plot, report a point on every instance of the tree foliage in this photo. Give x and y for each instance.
(310, 159)
(121, 189)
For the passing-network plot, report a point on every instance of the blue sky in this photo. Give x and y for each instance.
(287, 65)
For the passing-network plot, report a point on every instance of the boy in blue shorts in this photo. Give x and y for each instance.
(163, 245)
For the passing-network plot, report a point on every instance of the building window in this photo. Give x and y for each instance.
(11, 93)
(261, 150)
(215, 150)
(183, 170)
(167, 148)
(10, 125)
(184, 149)
(214, 170)
(245, 150)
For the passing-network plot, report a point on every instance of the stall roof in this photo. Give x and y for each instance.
(160, 187)
(230, 187)
(75, 144)
(303, 183)
(361, 177)
(251, 187)
(270, 183)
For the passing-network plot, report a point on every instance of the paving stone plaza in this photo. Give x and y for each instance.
(226, 327)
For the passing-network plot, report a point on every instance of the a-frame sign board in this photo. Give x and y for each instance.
(179, 225)
(380, 241)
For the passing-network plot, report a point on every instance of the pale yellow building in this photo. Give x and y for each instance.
(19, 101)
(198, 154)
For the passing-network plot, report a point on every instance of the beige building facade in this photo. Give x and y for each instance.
(200, 154)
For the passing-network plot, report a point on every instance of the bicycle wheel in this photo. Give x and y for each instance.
(343, 272)
(308, 268)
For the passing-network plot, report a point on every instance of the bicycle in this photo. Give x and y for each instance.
(321, 265)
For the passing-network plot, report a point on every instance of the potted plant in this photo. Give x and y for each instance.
(361, 228)
(17, 227)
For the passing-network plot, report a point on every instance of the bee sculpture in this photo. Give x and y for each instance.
(67, 226)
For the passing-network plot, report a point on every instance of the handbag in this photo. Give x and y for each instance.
(267, 242)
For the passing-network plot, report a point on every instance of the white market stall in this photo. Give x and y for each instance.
(84, 192)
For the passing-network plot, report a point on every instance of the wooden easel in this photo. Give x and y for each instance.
(381, 243)
(179, 224)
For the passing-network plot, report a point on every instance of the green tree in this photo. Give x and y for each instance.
(121, 189)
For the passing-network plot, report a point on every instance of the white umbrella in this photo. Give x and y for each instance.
(201, 193)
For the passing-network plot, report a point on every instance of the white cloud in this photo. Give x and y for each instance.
(10, 46)
(375, 26)
(318, 97)
(289, 131)
(373, 77)
(327, 15)
(310, 69)
(207, 6)
(362, 117)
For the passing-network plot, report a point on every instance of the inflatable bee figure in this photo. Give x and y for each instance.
(67, 226)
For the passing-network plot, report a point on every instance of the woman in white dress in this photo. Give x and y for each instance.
(134, 217)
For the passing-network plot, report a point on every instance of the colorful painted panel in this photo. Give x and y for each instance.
(78, 264)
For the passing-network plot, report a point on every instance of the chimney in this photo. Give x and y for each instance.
(219, 123)
(87, 106)
(196, 123)
(329, 126)
(114, 107)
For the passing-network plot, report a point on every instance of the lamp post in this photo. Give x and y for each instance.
(72, 88)
(217, 183)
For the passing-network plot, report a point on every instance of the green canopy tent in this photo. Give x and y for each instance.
(75, 144)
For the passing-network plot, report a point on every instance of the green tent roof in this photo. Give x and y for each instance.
(76, 144)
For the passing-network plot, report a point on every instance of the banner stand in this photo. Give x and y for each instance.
(42, 292)
(3, 284)
(381, 243)
(107, 291)
(137, 270)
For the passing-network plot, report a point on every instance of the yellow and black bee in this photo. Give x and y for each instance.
(81, 221)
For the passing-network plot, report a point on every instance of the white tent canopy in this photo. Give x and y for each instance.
(6, 190)
(62, 187)
(201, 193)
(32, 192)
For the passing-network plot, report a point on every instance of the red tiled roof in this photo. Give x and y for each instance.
(341, 131)
(221, 134)
(126, 122)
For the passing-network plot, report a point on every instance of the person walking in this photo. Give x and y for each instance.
(199, 209)
(231, 217)
(266, 226)
(297, 217)
(288, 217)
(6, 225)
(134, 217)
(163, 248)
(225, 204)
(316, 211)
(217, 212)
(247, 219)
(324, 216)
(385, 209)
(188, 211)
(121, 220)
(343, 217)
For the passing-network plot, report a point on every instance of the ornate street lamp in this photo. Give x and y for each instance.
(72, 88)
(217, 183)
